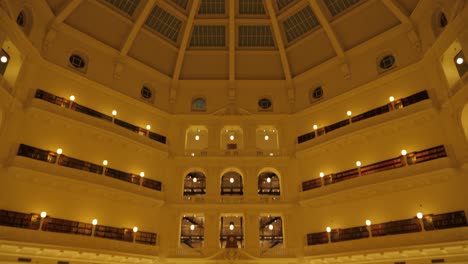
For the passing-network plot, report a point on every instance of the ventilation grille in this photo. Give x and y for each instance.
(126, 6)
(338, 6)
(283, 3)
(164, 23)
(208, 36)
(255, 36)
(181, 3)
(299, 24)
(251, 7)
(212, 7)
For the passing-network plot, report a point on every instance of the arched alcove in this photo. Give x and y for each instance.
(196, 140)
(231, 183)
(194, 183)
(269, 183)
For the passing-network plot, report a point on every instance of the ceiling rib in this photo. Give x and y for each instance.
(398, 11)
(66, 11)
(327, 27)
(137, 26)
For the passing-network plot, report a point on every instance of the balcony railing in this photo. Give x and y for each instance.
(393, 163)
(20, 220)
(51, 98)
(66, 226)
(349, 234)
(403, 102)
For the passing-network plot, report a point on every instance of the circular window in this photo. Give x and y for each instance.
(443, 20)
(146, 92)
(77, 61)
(387, 62)
(199, 104)
(20, 19)
(264, 104)
(317, 92)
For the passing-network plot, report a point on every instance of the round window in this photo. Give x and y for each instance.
(387, 62)
(317, 92)
(264, 104)
(77, 61)
(199, 104)
(20, 19)
(146, 92)
(443, 20)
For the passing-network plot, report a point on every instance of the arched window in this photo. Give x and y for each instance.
(264, 104)
(268, 183)
(231, 184)
(194, 183)
(199, 104)
(20, 19)
(24, 20)
(4, 60)
(460, 63)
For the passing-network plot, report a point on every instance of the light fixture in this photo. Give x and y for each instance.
(197, 137)
(105, 162)
(43, 214)
(72, 98)
(114, 112)
(419, 215)
(194, 179)
(192, 227)
(391, 99)
(349, 113)
(94, 222)
(368, 222)
(266, 137)
(135, 229)
(59, 151)
(231, 180)
(193, 154)
(268, 179)
(321, 174)
(358, 163)
(231, 137)
(271, 154)
(270, 226)
(142, 174)
(315, 127)
(460, 60)
(328, 229)
(4, 59)
(148, 127)
(231, 226)
(403, 152)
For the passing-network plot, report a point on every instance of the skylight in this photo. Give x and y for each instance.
(283, 3)
(212, 7)
(300, 23)
(126, 6)
(251, 7)
(338, 6)
(181, 3)
(164, 23)
(255, 36)
(208, 36)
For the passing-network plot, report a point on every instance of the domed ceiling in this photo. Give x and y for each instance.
(232, 39)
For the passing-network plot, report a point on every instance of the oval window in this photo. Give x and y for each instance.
(199, 104)
(146, 92)
(77, 61)
(317, 92)
(264, 104)
(387, 62)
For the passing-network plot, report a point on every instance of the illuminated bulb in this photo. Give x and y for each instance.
(368, 222)
(59, 151)
(72, 98)
(349, 113)
(193, 154)
(105, 162)
(135, 229)
(391, 98)
(231, 226)
(358, 163)
(328, 229)
(271, 154)
(192, 227)
(268, 179)
(197, 137)
(267, 137)
(403, 152)
(270, 227)
(315, 127)
(231, 180)
(114, 112)
(459, 60)
(4, 59)
(142, 174)
(322, 174)
(231, 137)
(43, 214)
(148, 127)
(195, 179)
(94, 222)
(419, 215)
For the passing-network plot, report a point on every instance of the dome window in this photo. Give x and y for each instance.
(387, 62)
(77, 62)
(199, 104)
(146, 92)
(20, 19)
(264, 104)
(317, 93)
(443, 20)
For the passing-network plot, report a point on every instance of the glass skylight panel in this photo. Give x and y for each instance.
(208, 36)
(251, 7)
(338, 6)
(283, 3)
(300, 23)
(126, 6)
(164, 23)
(255, 36)
(212, 7)
(181, 3)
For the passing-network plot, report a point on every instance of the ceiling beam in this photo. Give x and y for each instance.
(137, 26)
(232, 41)
(327, 27)
(398, 11)
(279, 40)
(66, 11)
